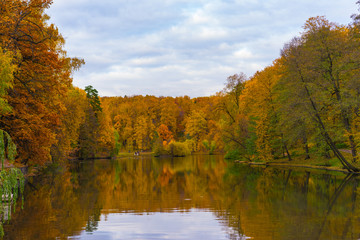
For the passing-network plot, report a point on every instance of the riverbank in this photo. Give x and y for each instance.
(275, 164)
(299, 161)
(131, 154)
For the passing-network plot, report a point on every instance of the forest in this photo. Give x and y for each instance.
(306, 103)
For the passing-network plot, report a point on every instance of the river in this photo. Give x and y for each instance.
(196, 197)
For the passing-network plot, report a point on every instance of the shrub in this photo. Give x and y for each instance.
(210, 146)
(179, 149)
(342, 145)
(158, 148)
(233, 154)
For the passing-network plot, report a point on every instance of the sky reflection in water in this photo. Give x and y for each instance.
(195, 224)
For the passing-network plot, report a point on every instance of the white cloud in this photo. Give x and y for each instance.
(183, 224)
(180, 47)
(244, 54)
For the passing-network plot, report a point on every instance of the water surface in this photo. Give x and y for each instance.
(197, 197)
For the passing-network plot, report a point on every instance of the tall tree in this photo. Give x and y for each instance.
(196, 127)
(234, 124)
(316, 71)
(258, 101)
(94, 100)
(67, 133)
(41, 79)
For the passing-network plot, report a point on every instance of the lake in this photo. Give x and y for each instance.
(195, 197)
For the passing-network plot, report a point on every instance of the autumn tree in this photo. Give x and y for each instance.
(234, 124)
(258, 102)
(124, 125)
(106, 139)
(67, 133)
(168, 115)
(164, 133)
(354, 37)
(184, 105)
(41, 79)
(196, 127)
(318, 68)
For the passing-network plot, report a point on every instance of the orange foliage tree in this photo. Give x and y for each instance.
(41, 80)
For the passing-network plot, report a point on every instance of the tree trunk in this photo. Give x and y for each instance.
(351, 139)
(306, 147)
(287, 152)
(344, 116)
(325, 134)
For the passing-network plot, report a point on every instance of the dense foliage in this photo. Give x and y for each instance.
(310, 95)
(47, 117)
(164, 124)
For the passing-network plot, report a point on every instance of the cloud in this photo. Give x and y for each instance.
(180, 47)
(192, 224)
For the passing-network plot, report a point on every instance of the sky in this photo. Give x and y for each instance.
(180, 47)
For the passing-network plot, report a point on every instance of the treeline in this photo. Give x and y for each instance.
(306, 101)
(166, 125)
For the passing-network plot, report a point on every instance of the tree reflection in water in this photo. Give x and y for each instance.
(262, 203)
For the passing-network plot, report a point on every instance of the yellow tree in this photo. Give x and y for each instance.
(67, 134)
(124, 125)
(185, 105)
(106, 138)
(259, 103)
(144, 133)
(169, 112)
(196, 127)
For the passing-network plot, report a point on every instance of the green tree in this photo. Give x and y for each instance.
(317, 74)
(89, 132)
(93, 96)
(7, 69)
(233, 123)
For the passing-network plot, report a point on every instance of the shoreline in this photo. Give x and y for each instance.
(275, 164)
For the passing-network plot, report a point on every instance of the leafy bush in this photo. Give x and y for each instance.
(210, 146)
(158, 148)
(179, 149)
(233, 154)
(173, 148)
(191, 144)
(342, 145)
(117, 145)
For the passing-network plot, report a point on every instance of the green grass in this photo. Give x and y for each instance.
(131, 154)
(316, 160)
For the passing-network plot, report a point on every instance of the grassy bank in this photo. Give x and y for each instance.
(131, 154)
(315, 161)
